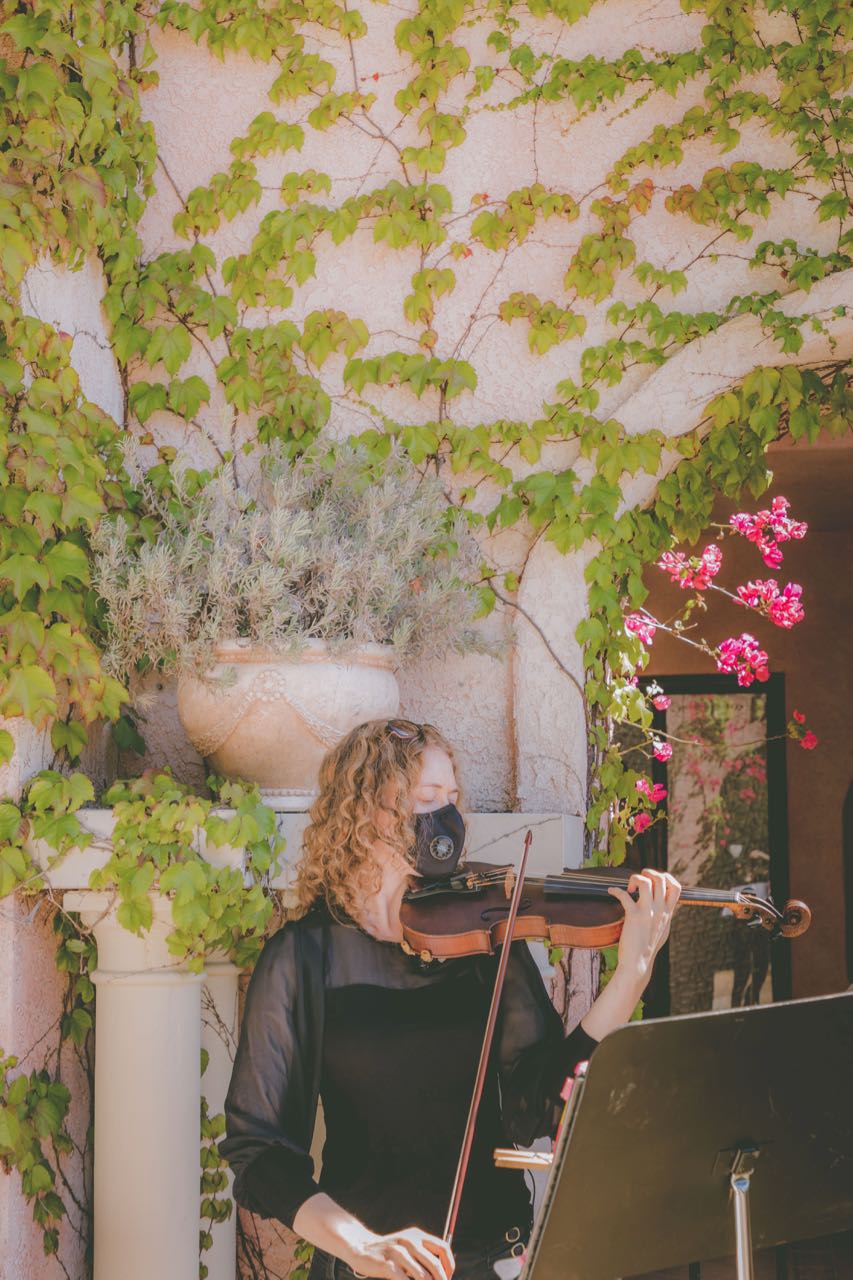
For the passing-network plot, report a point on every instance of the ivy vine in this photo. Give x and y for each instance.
(192, 331)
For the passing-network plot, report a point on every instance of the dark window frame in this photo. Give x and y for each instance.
(653, 852)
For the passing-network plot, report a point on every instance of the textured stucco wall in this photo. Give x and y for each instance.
(517, 722)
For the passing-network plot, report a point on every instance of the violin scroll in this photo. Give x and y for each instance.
(796, 918)
(792, 921)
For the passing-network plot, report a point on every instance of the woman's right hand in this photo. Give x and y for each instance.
(411, 1254)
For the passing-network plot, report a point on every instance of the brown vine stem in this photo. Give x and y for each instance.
(213, 1018)
(195, 335)
(376, 132)
(253, 1251)
(83, 1209)
(512, 604)
(23, 1056)
(474, 314)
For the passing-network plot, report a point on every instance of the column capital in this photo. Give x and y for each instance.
(125, 956)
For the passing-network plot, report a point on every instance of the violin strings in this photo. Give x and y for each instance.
(581, 882)
(605, 882)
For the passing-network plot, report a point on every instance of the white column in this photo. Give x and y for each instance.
(147, 1098)
(219, 1037)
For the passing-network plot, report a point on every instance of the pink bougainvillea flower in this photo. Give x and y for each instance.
(786, 610)
(809, 741)
(641, 626)
(782, 607)
(641, 821)
(696, 572)
(799, 717)
(655, 792)
(768, 528)
(750, 595)
(710, 562)
(661, 702)
(662, 750)
(742, 655)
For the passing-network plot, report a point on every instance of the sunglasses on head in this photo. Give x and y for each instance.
(407, 729)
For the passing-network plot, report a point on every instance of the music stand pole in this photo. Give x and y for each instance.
(743, 1167)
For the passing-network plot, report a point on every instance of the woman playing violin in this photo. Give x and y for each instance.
(391, 1042)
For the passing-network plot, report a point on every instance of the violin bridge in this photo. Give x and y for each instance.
(509, 882)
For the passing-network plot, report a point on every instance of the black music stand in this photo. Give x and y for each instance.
(694, 1137)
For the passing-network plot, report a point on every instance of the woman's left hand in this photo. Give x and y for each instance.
(644, 932)
(647, 921)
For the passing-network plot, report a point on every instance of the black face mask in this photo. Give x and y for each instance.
(439, 841)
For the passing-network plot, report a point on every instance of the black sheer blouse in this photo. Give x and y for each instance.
(391, 1044)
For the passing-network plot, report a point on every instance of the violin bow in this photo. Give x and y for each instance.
(465, 1153)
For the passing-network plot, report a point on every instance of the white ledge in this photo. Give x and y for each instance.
(492, 837)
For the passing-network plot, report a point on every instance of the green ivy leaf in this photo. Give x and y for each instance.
(186, 396)
(31, 692)
(65, 560)
(81, 504)
(173, 346)
(78, 1025)
(11, 373)
(146, 398)
(24, 572)
(71, 737)
(136, 915)
(10, 1125)
(14, 867)
(126, 735)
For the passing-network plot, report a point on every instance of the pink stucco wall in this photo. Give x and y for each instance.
(517, 722)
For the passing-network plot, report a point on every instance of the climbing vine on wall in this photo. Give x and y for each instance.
(219, 355)
(82, 161)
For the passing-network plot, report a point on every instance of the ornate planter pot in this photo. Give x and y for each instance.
(270, 719)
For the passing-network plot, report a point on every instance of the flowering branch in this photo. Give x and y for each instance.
(739, 655)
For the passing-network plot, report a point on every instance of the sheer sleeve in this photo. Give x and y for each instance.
(532, 1052)
(272, 1097)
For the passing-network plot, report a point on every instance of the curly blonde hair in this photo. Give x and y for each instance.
(337, 862)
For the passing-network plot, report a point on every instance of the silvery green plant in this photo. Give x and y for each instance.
(321, 548)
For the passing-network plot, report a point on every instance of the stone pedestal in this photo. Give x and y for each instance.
(147, 1098)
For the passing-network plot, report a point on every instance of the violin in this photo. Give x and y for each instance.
(466, 914)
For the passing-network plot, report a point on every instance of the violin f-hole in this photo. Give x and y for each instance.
(492, 913)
